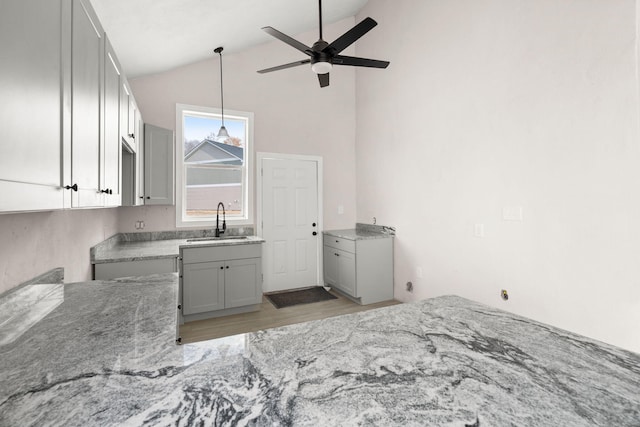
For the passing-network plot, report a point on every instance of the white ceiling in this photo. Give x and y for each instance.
(151, 36)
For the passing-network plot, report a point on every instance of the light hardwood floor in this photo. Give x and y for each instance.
(271, 317)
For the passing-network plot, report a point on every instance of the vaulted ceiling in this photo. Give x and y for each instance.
(152, 36)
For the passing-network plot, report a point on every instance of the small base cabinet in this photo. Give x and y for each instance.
(220, 280)
(362, 268)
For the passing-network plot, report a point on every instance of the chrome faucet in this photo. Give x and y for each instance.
(224, 220)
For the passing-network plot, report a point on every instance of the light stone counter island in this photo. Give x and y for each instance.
(105, 355)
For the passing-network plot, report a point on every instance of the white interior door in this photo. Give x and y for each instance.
(290, 223)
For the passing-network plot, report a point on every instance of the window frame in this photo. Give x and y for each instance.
(247, 177)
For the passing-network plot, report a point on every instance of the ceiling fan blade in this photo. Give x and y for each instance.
(288, 40)
(359, 62)
(285, 66)
(348, 38)
(323, 79)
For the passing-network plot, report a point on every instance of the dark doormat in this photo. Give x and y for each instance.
(302, 296)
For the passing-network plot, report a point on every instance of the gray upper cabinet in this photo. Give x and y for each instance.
(87, 55)
(159, 157)
(31, 151)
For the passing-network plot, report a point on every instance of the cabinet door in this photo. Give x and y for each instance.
(243, 282)
(128, 114)
(202, 287)
(31, 156)
(347, 272)
(111, 167)
(158, 166)
(139, 172)
(330, 267)
(86, 85)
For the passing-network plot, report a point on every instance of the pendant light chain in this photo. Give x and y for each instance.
(223, 130)
(219, 50)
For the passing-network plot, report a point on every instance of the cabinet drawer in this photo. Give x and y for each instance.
(340, 243)
(220, 253)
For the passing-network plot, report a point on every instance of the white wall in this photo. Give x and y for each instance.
(292, 115)
(34, 243)
(496, 103)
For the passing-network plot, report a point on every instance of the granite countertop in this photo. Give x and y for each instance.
(121, 249)
(363, 232)
(105, 355)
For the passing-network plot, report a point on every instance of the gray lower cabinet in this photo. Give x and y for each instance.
(361, 269)
(220, 278)
(144, 267)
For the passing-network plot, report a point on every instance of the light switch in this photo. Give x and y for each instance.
(340, 209)
(478, 230)
(512, 213)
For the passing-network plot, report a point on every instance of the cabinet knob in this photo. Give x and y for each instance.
(73, 187)
(148, 197)
(227, 266)
(221, 268)
(337, 254)
(142, 197)
(313, 225)
(314, 233)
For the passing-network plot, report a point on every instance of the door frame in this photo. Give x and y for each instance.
(260, 156)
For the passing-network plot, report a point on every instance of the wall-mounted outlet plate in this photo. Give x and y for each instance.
(512, 213)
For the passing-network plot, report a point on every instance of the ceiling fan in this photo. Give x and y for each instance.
(322, 55)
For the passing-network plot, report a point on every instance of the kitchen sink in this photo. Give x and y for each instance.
(204, 239)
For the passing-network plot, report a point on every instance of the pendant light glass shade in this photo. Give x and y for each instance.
(223, 135)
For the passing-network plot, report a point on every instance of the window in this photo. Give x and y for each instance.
(209, 170)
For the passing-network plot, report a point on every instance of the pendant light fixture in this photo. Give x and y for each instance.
(223, 135)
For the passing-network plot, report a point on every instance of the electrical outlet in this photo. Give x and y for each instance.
(512, 213)
(409, 287)
(340, 210)
(504, 294)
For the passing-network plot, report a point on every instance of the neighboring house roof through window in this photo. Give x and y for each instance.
(214, 152)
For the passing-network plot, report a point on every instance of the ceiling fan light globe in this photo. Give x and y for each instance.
(321, 67)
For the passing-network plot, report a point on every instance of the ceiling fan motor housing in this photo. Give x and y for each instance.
(321, 62)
